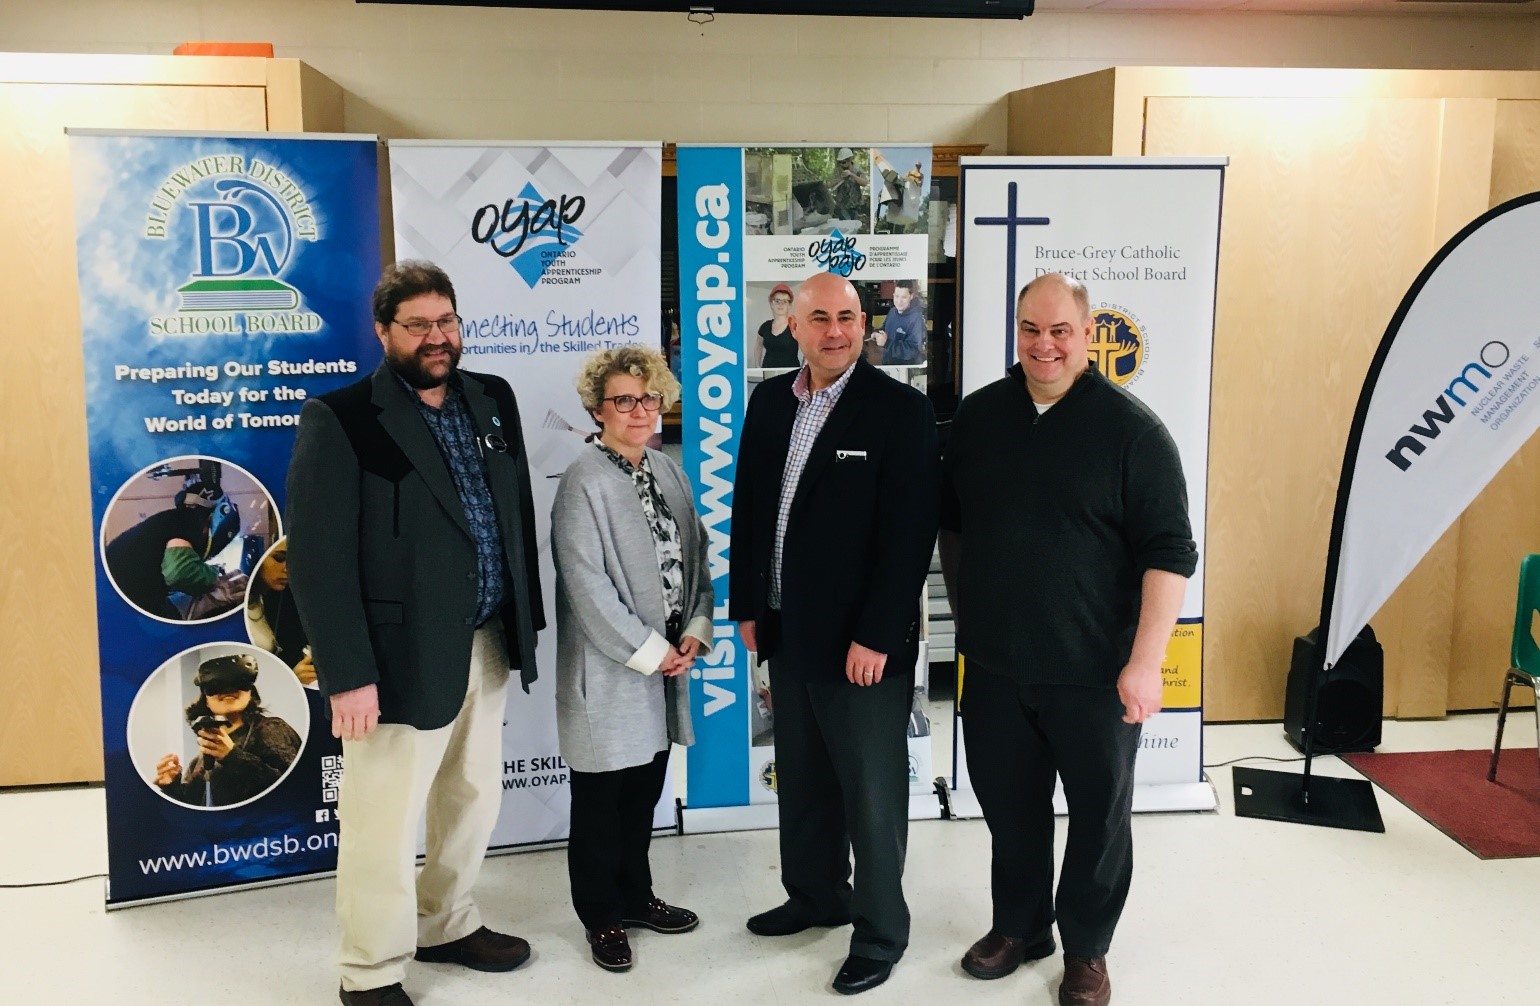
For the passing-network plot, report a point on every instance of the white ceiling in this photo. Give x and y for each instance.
(1528, 9)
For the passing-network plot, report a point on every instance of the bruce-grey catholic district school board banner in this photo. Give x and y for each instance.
(1143, 235)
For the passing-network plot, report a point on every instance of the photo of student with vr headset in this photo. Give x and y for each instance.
(244, 749)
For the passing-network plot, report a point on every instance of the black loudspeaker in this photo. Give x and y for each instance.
(1350, 699)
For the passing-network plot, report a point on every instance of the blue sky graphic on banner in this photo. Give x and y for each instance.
(223, 281)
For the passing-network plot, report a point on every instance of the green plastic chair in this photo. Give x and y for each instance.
(1525, 656)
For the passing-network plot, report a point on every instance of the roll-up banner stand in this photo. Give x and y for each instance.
(1143, 235)
(224, 280)
(752, 218)
(554, 252)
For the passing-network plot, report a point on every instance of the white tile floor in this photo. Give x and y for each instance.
(1223, 911)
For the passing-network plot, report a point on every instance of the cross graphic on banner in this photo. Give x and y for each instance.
(1010, 222)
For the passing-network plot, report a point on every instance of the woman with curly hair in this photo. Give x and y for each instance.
(633, 609)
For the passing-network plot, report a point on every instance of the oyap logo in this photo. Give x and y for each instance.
(767, 775)
(531, 216)
(1493, 355)
(837, 254)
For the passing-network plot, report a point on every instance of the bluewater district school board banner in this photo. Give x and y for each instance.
(224, 281)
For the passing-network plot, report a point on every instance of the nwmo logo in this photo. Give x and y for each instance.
(1492, 356)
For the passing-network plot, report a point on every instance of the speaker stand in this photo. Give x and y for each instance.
(1319, 800)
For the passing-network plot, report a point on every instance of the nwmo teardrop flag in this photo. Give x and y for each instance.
(1452, 393)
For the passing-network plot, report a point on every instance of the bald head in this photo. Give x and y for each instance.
(1067, 284)
(1053, 335)
(824, 284)
(829, 326)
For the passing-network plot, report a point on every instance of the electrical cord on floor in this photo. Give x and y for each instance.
(1232, 761)
(52, 883)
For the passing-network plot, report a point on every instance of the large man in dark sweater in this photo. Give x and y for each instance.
(1066, 547)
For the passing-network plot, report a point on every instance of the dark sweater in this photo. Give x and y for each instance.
(265, 746)
(1060, 515)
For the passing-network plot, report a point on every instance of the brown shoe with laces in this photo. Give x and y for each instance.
(995, 956)
(1085, 982)
(611, 949)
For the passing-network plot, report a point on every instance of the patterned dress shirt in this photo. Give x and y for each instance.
(454, 431)
(813, 408)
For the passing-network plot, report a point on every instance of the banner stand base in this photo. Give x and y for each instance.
(1334, 803)
(753, 817)
(1166, 798)
(757, 816)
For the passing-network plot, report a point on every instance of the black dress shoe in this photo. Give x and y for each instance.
(611, 949)
(482, 950)
(390, 995)
(661, 917)
(858, 974)
(787, 919)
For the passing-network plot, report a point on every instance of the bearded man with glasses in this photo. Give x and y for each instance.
(413, 563)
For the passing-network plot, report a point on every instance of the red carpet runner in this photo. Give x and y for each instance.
(1449, 790)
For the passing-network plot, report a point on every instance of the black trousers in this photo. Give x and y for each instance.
(607, 847)
(842, 780)
(1017, 737)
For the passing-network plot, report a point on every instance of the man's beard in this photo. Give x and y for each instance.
(411, 370)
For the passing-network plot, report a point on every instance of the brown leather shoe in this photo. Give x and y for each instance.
(661, 917)
(390, 995)
(482, 950)
(611, 949)
(1085, 982)
(995, 956)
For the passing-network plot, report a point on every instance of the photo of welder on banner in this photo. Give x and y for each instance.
(181, 538)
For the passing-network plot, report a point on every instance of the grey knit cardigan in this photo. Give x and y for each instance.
(613, 710)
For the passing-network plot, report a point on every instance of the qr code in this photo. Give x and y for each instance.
(331, 777)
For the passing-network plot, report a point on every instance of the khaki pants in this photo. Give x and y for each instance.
(389, 778)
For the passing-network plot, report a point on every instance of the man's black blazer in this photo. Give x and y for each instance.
(382, 561)
(862, 525)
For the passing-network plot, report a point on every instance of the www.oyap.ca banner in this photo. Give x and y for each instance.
(224, 282)
(754, 222)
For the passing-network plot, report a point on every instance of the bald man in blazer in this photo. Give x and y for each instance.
(834, 520)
